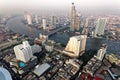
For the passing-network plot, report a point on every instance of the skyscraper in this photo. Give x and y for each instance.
(86, 23)
(75, 45)
(29, 19)
(85, 27)
(58, 21)
(73, 18)
(53, 21)
(44, 23)
(36, 19)
(100, 26)
(77, 22)
(23, 52)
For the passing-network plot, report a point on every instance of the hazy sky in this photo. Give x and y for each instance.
(83, 6)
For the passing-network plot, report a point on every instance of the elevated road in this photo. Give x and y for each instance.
(56, 30)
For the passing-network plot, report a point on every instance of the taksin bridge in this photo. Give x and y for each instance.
(51, 33)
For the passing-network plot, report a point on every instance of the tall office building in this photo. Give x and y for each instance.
(100, 26)
(101, 53)
(85, 27)
(29, 19)
(53, 21)
(36, 19)
(23, 52)
(73, 18)
(86, 23)
(75, 45)
(44, 23)
(77, 22)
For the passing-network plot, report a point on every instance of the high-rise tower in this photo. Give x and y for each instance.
(77, 22)
(53, 21)
(73, 18)
(44, 23)
(75, 45)
(100, 26)
(29, 19)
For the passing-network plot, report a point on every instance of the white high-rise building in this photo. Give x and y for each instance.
(101, 53)
(36, 19)
(44, 22)
(100, 26)
(23, 52)
(75, 45)
(29, 19)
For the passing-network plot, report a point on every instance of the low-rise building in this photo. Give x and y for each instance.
(49, 45)
(92, 66)
(40, 69)
(36, 48)
(114, 58)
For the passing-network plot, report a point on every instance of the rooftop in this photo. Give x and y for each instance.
(41, 69)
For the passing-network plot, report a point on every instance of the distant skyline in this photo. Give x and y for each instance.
(60, 6)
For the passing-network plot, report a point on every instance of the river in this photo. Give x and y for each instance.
(15, 24)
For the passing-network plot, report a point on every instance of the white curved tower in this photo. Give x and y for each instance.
(29, 19)
(75, 45)
(23, 51)
(44, 22)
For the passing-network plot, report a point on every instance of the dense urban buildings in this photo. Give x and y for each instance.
(53, 45)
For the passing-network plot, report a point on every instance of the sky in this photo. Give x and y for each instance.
(60, 6)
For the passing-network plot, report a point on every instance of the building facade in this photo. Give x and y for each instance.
(73, 18)
(75, 45)
(23, 52)
(100, 26)
(44, 22)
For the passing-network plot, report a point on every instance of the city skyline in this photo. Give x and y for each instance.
(60, 39)
(57, 6)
